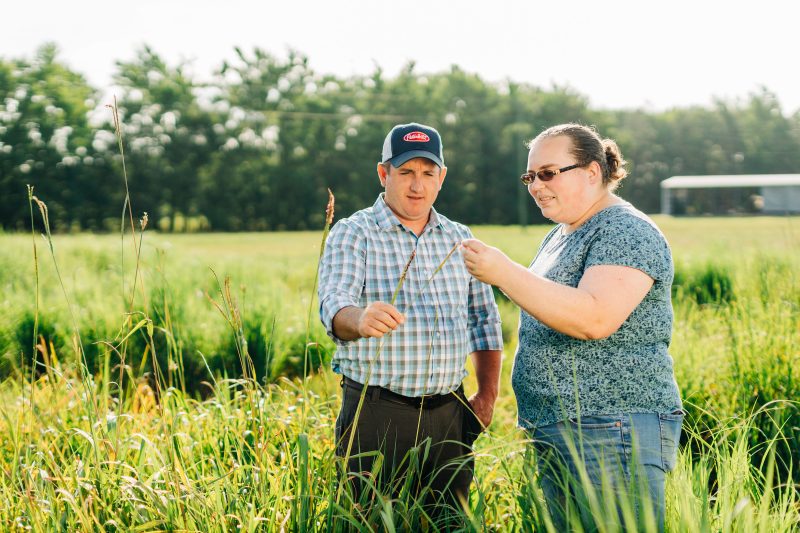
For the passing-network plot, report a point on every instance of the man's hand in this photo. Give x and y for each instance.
(483, 407)
(375, 320)
(487, 365)
(485, 263)
(379, 318)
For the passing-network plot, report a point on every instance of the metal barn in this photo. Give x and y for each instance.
(776, 194)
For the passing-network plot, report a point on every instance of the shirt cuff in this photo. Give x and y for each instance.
(486, 336)
(328, 309)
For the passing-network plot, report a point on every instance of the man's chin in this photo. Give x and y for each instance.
(417, 211)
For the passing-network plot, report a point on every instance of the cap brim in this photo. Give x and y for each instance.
(411, 154)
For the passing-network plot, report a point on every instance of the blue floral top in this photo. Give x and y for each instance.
(556, 376)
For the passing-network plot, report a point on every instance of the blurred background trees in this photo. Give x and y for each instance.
(257, 147)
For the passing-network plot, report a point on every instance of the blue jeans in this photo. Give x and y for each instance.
(621, 456)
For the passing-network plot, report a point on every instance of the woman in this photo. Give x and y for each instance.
(592, 375)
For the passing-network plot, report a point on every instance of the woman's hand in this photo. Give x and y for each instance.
(485, 263)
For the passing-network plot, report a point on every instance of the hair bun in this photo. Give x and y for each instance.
(616, 165)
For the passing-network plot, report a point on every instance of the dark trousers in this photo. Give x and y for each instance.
(422, 449)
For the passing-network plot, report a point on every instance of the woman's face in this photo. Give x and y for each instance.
(566, 197)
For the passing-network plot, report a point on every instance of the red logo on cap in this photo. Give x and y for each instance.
(416, 137)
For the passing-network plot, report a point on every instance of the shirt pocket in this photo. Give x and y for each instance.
(450, 290)
(383, 270)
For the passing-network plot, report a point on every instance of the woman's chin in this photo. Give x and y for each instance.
(549, 213)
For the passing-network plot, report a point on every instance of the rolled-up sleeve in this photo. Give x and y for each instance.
(341, 272)
(485, 332)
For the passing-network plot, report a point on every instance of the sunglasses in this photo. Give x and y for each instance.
(544, 175)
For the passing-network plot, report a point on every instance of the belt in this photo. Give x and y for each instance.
(428, 401)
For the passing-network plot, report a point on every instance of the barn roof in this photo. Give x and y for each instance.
(745, 180)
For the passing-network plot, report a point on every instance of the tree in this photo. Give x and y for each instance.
(46, 141)
(257, 147)
(170, 137)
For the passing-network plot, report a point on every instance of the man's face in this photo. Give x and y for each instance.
(412, 188)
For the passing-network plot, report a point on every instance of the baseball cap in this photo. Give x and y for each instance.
(407, 141)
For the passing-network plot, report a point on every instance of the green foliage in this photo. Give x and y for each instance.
(23, 340)
(261, 458)
(256, 148)
(144, 454)
(276, 353)
(297, 357)
(46, 139)
(706, 284)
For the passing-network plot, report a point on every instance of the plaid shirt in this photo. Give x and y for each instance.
(447, 317)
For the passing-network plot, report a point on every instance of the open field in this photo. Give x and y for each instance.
(216, 454)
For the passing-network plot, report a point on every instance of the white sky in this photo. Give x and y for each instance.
(621, 54)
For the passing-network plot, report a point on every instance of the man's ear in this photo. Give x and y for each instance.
(382, 173)
(442, 174)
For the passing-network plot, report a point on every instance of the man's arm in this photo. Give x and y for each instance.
(377, 319)
(486, 342)
(341, 275)
(487, 365)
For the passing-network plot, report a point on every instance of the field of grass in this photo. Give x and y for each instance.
(171, 428)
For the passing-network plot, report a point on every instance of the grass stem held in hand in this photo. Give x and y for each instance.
(354, 425)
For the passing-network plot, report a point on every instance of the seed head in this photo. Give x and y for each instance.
(42, 207)
(329, 208)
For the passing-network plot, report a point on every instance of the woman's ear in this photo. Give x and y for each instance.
(595, 172)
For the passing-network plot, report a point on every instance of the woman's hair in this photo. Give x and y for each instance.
(587, 146)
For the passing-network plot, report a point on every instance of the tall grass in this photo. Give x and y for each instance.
(249, 461)
(109, 445)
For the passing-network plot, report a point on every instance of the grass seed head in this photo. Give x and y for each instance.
(329, 208)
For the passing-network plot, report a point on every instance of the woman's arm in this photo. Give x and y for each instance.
(604, 298)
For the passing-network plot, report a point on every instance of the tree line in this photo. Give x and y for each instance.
(256, 147)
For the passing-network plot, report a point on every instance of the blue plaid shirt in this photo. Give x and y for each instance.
(447, 317)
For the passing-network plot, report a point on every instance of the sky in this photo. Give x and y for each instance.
(619, 54)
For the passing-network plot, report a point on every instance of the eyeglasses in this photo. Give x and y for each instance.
(544, 175)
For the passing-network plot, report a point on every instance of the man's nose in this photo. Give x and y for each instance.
(416, 184)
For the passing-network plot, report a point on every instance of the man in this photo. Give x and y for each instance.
(411, 346)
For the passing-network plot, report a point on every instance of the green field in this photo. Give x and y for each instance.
(171, 428)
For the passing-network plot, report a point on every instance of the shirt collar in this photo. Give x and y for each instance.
(387, 220)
